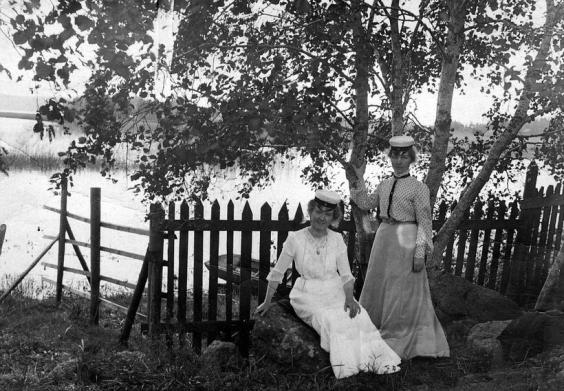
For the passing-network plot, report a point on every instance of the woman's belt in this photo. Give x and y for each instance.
(391, 220)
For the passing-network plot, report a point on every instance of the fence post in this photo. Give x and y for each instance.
(523, 239)
(155, 250)
(95, 211)
(62, 231)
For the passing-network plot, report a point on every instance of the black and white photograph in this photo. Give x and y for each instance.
(282, 195)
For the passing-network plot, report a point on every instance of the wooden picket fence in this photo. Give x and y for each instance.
(506, 247)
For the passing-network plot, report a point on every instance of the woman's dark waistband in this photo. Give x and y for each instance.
(393, 221)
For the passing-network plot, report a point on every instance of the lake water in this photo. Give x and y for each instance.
(24, 192)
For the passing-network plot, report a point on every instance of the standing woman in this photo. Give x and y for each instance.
(396, 289)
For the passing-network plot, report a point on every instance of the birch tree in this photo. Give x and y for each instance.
(330, 80)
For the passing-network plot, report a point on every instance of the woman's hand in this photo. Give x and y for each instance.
(353, 306)
(355, 174)
(263, 308)
(418, 264)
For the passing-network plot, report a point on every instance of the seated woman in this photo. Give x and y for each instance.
(324, 293)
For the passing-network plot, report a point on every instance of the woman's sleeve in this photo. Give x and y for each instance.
(284, 260)
(343, 261)
(423, 216)
(364, 200)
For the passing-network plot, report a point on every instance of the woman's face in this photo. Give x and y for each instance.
(321, 217)
(400, 161)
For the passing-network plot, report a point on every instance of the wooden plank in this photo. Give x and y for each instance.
(298, 218)
(117, 227)
(541, 268)
(550, 252)
(135, 300)
(28, 269)
(473, 245)
(496, 253)
(102, 248)
(122, 283)
(560, 224)
(183, 266)
(198, 268)
(506, 270)
(85, 295)
(170, 270)
(283, 218)
(68, 214)
(229, 266)
(519, 258)
(77, 251)
(155, 267)
(264, 251)
(62, 236)
(214, 254)
(485, 246)
(450, 247)
(95, 213)
(124, 228)
(461, 247)
(245, 266)
(541, 202)
(532, 251)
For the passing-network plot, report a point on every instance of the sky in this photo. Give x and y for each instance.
(468, 107)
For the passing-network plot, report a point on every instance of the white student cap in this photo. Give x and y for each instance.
(327, 198)
(401, 142)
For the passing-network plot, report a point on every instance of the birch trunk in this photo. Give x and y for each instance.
(363, 62)
(500, 145)
(453, 47)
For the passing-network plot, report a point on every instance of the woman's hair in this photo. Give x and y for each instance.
(337, 212)
(410, 152)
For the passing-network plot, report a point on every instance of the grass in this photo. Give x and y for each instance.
(48, 347)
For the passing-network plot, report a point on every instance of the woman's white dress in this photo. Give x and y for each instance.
(318, 299)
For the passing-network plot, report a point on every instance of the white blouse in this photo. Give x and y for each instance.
(323, 260)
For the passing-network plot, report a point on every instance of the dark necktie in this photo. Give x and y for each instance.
(392, 192)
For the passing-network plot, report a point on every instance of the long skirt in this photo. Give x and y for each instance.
(355, 344)
(397, 299)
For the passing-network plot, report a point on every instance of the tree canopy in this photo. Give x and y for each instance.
(242, 82)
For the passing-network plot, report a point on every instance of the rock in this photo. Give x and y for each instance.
(64, 370)
(282, 338)
(456, 298)
(483, 338)
(457, 331)
(221, 355)
(532, 333)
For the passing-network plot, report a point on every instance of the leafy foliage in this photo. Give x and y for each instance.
(253, 80)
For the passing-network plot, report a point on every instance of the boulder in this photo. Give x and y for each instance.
(532, 333)
(282, 338)
(457, 331)
(221, 355)
(456, 298)
(483, 338)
